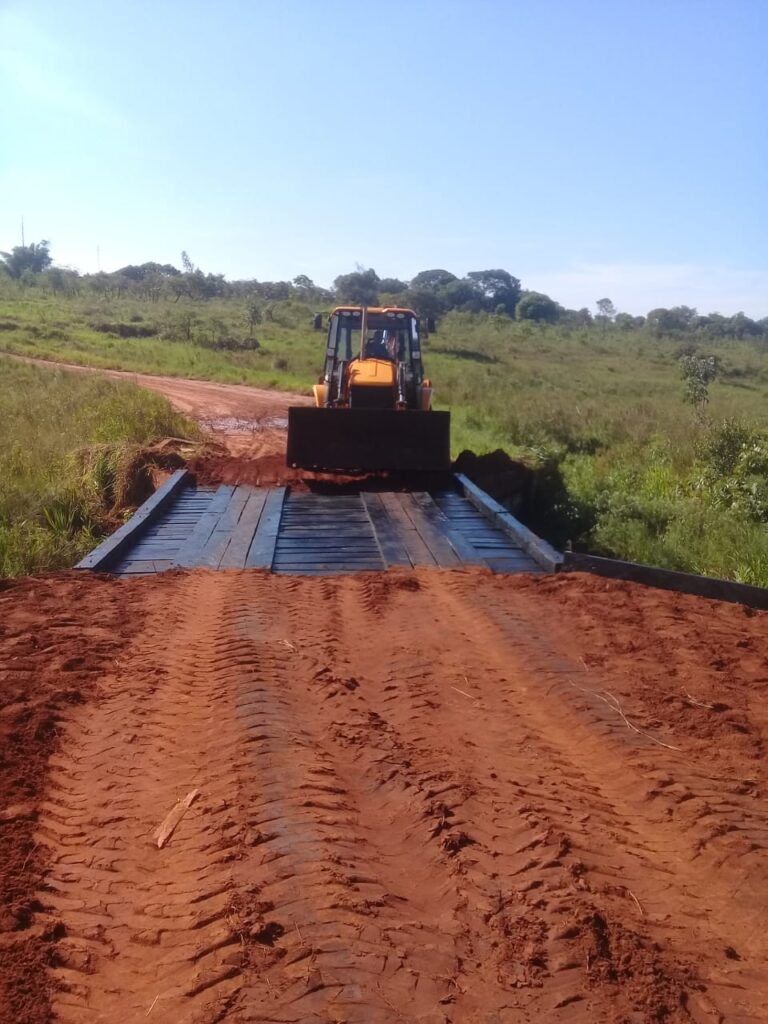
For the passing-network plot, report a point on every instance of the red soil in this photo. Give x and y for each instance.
(261, 470)
(59, 637)
(423, 796)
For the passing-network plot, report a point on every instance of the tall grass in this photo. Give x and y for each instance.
(53, 498)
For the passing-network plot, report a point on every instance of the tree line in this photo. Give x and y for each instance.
(431, 293)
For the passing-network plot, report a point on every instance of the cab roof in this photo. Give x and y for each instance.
(373, 309)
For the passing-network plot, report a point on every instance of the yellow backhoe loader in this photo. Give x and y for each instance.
(373, 405)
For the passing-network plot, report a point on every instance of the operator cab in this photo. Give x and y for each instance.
(391, 334)
(373, 360)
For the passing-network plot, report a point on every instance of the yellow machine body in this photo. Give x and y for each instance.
(373, 405)
(371, 373)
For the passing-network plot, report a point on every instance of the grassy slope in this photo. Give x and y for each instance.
(51, 495)
(601, 410)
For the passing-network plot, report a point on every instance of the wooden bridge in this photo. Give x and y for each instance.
(324, 531)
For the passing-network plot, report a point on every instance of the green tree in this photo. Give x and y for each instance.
(497, 288)
(137, 272)
(360, 288)
(55, 279)
(679, 318)
(539, 307)
(742, 326)
(463, 294)
(253, 314)
(307, 290)
(432, 280)
(576, 317)
(606, 309)
(425, 302)
(698, 372)
(101, 283)
(392, 286)
(34, 258)
(625, 321)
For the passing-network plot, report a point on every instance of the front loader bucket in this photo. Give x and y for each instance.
(368, 439)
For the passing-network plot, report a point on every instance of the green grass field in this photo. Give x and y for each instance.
(65, 443)
(626, 466)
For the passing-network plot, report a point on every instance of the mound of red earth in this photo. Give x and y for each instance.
(259, 471)
(507, 480)
(271, 471)
(433, 796)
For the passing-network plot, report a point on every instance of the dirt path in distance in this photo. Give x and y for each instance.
(250, 422)
(418, 802)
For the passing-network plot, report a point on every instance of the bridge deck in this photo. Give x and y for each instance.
(312, 533)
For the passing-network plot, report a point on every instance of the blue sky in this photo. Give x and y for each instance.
(590, 147)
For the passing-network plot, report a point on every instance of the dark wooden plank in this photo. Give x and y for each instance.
(326, 556)
(190, 552)
(669, 579)
(330, 539)
(460, 544)
(331, 546)
(327, 536)
(331, 534)
(418, 552)
(262, 550)
(116, 545)
(388, 537)
(547, 557)
(130, 566)
(373, 566)
(342, 517)
(439, 545)
(154, 537)
(323, 555)
(219, 540)
(153, 551)
(242, 536)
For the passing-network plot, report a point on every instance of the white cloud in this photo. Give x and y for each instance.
(637, 288)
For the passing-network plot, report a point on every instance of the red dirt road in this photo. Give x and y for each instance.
(423, 796)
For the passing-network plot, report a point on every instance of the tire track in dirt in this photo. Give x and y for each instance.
(706, 834)
(722, 823)
(416, 812)
(327, 888)
(532, 932)
(59, 635)
(146, 929)
(414, 807)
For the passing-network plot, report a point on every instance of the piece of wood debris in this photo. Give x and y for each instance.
(165, 830)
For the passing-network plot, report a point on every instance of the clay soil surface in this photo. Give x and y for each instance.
(416, 796)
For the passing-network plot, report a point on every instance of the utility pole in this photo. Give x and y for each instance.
(22, 231)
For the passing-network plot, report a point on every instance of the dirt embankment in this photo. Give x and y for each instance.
(422, 796)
